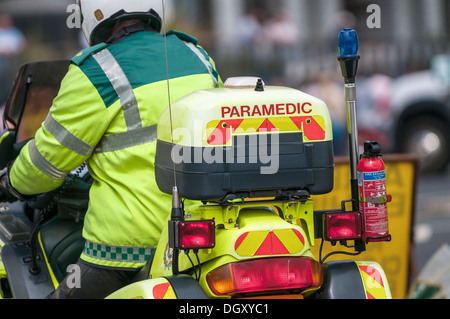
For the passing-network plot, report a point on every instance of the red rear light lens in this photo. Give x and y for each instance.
(196, 234)
(265, 275)
(343, 226)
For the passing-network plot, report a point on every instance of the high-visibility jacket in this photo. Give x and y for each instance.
(106, 114)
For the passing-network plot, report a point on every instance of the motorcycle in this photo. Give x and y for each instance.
(241, 163)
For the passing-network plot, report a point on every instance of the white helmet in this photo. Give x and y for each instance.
(100, 16)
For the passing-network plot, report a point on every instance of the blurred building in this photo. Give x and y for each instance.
(410, 33)
(46, 37)
(43, 22)
(290, 39)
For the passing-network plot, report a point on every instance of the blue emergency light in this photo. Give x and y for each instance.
(348, 43)
(348, 50)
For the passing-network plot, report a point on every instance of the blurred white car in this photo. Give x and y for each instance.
(409, 114)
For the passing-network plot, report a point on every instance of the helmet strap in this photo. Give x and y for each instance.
(128, 30)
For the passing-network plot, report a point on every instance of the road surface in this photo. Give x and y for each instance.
(432, 220)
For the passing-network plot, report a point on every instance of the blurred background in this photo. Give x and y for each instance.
(403, 79)
(293, 43)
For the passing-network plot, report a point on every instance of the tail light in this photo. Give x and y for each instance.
(342, 226)
(197, 234)
(290, 273)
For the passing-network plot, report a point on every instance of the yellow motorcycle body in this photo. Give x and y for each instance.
(246, 159)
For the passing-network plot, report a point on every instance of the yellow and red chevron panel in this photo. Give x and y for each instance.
(374, 280)
(313, 127)
(269, 243)
(157, 288)
(163, 291)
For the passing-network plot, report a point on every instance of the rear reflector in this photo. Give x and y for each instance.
(342, 226)
(284, 273)
(199, 234)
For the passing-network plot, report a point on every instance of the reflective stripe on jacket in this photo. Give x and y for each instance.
(106, 113)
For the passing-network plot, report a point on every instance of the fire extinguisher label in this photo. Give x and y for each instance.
(373, 184)
(374, 176)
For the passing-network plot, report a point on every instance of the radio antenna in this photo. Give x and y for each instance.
(168, 83)
(176, 214)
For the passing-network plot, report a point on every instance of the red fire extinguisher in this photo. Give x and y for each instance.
(372, 194)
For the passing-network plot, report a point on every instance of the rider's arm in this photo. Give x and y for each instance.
(77, 120)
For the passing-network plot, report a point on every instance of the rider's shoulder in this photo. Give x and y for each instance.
(183, 36)
(83, 55)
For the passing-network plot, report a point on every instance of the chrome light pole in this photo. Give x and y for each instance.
(348, 59)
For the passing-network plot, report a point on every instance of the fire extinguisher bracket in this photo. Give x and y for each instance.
(376, 200)
(378, 238)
